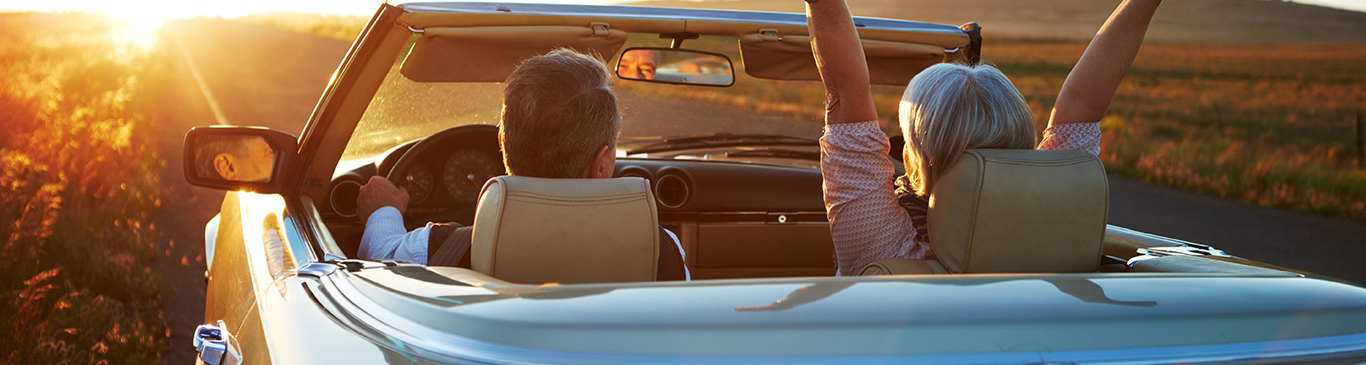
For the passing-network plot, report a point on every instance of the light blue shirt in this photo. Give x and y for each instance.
(385, 238)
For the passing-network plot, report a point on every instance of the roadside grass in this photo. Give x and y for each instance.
(78, 186)
(1269, 123)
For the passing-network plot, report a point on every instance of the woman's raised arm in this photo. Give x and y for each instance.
(1092, 83)
(839, 57)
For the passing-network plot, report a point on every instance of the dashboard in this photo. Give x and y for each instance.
(735, 219)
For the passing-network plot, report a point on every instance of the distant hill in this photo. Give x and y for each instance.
(1176, 20)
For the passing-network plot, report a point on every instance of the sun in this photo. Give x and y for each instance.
(138, 32)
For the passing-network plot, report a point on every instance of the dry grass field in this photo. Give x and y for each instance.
(78, 185)
(1269, 123)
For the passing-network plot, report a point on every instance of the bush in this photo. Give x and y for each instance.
(78, 186)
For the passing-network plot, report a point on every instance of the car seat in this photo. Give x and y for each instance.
(535, 230)
(1014, 211)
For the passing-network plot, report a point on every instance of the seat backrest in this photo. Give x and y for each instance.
(533, 230)
(1004, 211)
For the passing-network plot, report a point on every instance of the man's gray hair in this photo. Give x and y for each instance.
(558, 110)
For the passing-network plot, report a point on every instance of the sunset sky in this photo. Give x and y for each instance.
(167, 9)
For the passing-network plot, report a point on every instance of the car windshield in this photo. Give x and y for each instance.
(754, 120)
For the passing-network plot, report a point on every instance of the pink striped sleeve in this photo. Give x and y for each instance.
(866, 223)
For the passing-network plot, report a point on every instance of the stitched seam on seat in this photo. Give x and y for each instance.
(976, 208)
(1106, 183)
(1075, 161)
(651, 209)
(578, 203)
(497, 232)
(550, 196)
(572, 201)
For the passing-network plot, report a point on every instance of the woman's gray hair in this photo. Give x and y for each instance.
(558, 110)
(949, 108)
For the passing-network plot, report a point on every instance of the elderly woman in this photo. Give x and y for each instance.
(946, 109)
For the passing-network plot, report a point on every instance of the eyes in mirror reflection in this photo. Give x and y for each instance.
(234, 158)
(676, 66)
(638, 64)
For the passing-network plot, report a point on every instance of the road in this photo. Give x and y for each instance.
(253, 75)
(256, 75)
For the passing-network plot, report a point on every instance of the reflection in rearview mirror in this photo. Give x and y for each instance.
(233, 158)
(675, 66)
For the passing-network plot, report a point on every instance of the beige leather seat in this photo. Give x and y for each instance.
(532, 230)
(1008, 211)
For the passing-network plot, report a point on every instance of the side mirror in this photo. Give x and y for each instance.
(239, 158)
(676, 66)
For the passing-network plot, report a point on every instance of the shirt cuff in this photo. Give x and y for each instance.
(383, 236)
(856, 127)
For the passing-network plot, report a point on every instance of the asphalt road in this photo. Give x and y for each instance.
(227, 72)
(222, 72)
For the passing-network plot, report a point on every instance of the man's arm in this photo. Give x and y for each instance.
(386, 239)
(840, 60)
(1092, 83)
(381, 205)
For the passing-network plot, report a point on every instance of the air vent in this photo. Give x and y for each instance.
(632, 171)
(672, 191)
(343, 198)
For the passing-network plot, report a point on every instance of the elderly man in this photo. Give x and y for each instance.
(560, 120)
(236, 159)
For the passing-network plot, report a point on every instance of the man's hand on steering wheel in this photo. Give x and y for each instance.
(379, 193)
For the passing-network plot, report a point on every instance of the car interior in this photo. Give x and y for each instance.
(744, 202)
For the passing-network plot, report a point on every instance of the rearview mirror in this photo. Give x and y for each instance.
(676, 66)
(238, 158)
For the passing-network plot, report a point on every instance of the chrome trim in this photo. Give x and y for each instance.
(210, 240)
(317, 269)
(332, 197)
(1186, 251)
(216, 346)
(312, 222)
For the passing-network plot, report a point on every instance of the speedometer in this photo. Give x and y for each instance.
(419, 183)
(465, 172)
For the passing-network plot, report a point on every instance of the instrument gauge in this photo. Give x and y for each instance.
(465, 172)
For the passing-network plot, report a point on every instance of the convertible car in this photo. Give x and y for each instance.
(719, 146)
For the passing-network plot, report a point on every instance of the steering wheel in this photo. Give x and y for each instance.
(475, 135)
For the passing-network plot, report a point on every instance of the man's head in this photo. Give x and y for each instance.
(560, 118)
(236, 159)
(638, 64)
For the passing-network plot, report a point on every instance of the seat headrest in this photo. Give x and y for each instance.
(535, 230)
(1020, 211)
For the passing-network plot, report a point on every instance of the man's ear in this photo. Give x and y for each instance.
(223, 163)
(603, 165)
